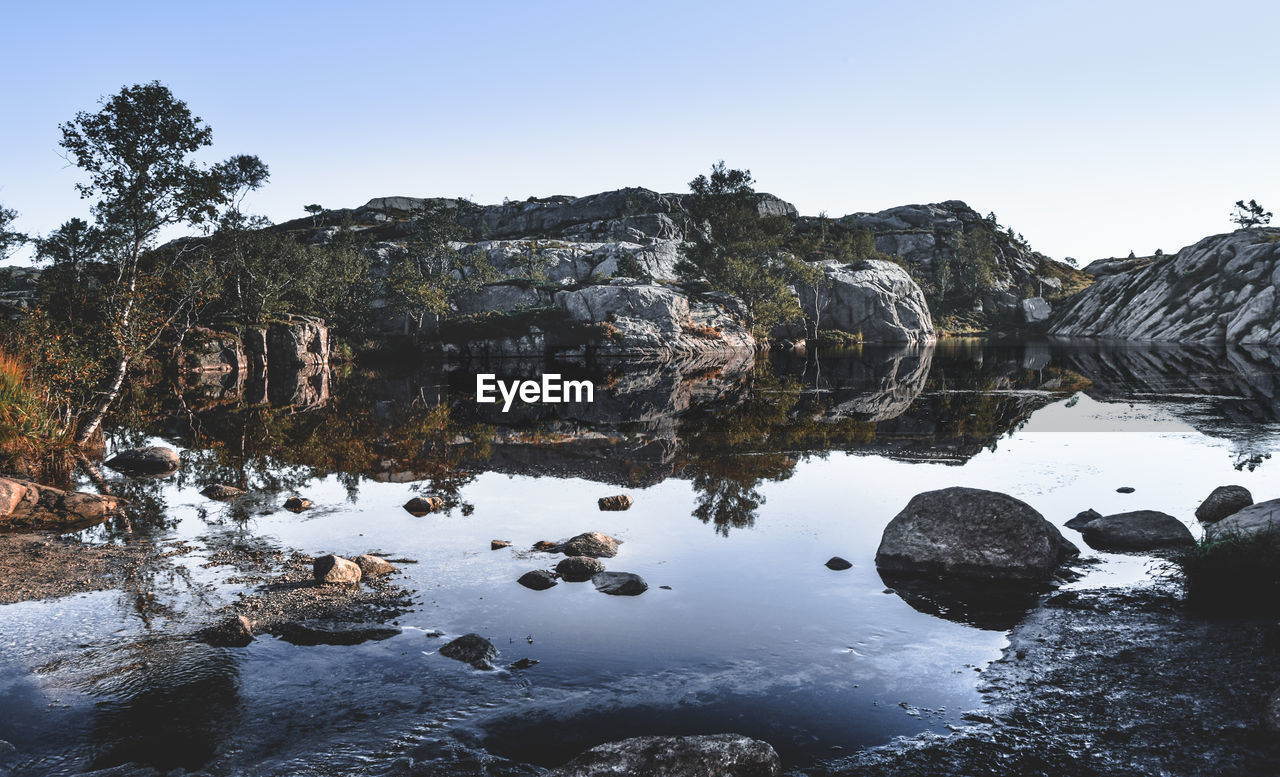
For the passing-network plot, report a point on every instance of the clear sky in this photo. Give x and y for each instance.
(1094, 128)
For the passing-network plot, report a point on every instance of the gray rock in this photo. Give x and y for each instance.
(617, 502)
(235, 631)
(297, 341)
(1222, 289)
(972, 533)
(373, 566)
(1259, 520)
(716, 755)
(155, 460)
(538, 580)
(1224, 502)
(593, 543)
(1036, 310)
(335, 570)
(318, 632)
(619, 583)
(1137, 531)
(838, 564)
(875, 299)
(471, 649)
(1083, 519)
(222, 492)
(578, 569)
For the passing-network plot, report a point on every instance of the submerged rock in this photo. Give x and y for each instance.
(421, 505)
(592, 543)
(471, 649)
(972, 533)
(1260, 520)
(318, 632)
(222, 491)
(1224, 502)
(714, 755)
(579, 569)
(538, 580)
(617, 502)
(1083, 519)
(336, 570)
(236, 631)
(838, 564)
(620, 583)
(1140, 530)
(373, 566)
(154, 461)
(297, 504)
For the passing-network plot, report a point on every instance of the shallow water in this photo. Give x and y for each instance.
(746, 480)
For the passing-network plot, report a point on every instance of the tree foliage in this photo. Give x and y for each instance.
(10, 239)
(1250, 214)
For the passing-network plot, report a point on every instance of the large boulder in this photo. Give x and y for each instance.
(715, 755)
(875, 299)
(1222, 289)
(336, 570)
(1260, 520)
(649, 319)
(27, 505)
(1137, 531)
(1224, 502)
(207, 350)
(1035, 310)
(151, 461)
(620, 583)
(972, 533)
(471, 649)
(297, 341)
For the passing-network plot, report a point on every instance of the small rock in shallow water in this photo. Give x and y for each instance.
(617, 502)
(538, 580)
(236, 631)
(1224, 502)
(524, 663)
(498, 544)
(593, 543)
(545, 546)
(422, 505)
(715, 755)
(1083, 518)
(318, 632)
(155, 460)
(838, 564)
(335, 570)
(1140, 530)
(372, 566)
(620, 583)
(1125, 490)
(297, 504)
(221, 491)
(579, 569)
(471, 649)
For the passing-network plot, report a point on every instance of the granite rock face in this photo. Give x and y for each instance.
(875, 299)
(649, 319)
(1223, 289)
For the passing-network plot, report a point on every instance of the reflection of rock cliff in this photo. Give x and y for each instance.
(1222, 289)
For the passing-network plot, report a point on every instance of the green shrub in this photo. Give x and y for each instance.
(1236, 573)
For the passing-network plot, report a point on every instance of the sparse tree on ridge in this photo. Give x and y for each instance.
(10, 240)
(1250, 214)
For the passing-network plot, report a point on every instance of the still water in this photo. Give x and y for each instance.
(746, 477)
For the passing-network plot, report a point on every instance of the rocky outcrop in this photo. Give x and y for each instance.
(1223, 289)
(975, 534)
(298, 341)
(715, 755)
(1036, 310)
(1260, 520)
(1137, 531)
(27, 505)
(290, 343)
(874, 299)
(652, 320)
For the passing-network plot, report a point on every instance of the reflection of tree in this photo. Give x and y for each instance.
(728, 487)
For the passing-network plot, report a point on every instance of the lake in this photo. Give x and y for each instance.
(747, 476)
